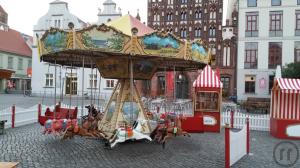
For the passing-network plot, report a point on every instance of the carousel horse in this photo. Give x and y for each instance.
(125, 133)
(168, 129)
(174, 130)
(89, 125)
(58, 126)
(77, 130)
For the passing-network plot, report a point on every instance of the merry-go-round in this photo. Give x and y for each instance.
(136, 54)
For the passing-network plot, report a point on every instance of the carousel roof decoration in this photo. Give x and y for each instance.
(113, 42)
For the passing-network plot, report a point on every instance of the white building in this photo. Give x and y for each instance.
(268, 35)
(68, 80)
(109, 12)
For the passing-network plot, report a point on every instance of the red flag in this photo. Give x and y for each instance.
(170, 81)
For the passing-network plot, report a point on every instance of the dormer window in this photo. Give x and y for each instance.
(57, 23)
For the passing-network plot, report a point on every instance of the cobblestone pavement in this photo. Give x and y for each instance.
(32, 149)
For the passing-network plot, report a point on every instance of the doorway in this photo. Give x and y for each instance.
(71, 86)
(182, 87)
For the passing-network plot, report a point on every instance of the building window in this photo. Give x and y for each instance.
(297, 31)
(57, 23)
(183, 1)
(250, 84)
(169, 17)
(10, 63)
(183, 16)
(276, 2)
(198, 15)
(198, 32)
(183, 33)
(298, 2)
(212, 31)
(297, 51)
(275, 54)
(93, 81)
(251, 52)
(29, 64)
(276, 23)
(170, 2)
(161, 85)
(251, 24)
(271, 82)
(20, 64)
(110, 83)
(212, 15)
(226, 83)
(252, 3)
(226, 56)
(157, 17)
(49, 80)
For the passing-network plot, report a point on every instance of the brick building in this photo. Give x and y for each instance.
(191, 20)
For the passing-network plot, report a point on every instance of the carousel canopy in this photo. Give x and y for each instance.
(111, 48)
(208, 78)
(288, 85)
(127, 22)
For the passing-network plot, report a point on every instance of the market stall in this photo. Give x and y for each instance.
(207, 102)
(285, 109)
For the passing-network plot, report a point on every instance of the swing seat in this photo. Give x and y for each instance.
(61, 113)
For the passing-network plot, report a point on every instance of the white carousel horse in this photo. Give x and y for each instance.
(123, 134)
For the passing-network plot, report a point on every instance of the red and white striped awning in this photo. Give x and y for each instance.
(208, 78)
(289, 85)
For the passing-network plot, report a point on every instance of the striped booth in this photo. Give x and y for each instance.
(285, 109)
(207, 102)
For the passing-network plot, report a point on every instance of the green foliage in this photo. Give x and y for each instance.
(291, 70)
(87, 41)
(116, 42)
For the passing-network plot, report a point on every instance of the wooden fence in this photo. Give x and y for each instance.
(259, 122)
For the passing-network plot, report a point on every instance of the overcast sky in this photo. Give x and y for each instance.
(24, 14)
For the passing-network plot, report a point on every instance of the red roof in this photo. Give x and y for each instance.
(12, 41)
(2, 10)
(289, 85)
(208, 78)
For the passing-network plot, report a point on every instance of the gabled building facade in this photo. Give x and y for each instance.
(269, 35)
(15, 58)
(109, 12)
(69, 80)
(191, 20)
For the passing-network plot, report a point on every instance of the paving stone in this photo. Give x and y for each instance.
(32, 149)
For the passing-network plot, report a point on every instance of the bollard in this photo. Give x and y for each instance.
(39, 110)
(248, 136)
(227, 146)
(13, 110)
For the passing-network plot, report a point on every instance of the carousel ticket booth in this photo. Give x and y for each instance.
(285, 109)
(207, 102)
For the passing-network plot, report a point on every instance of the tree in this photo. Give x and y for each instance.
(291, 70)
